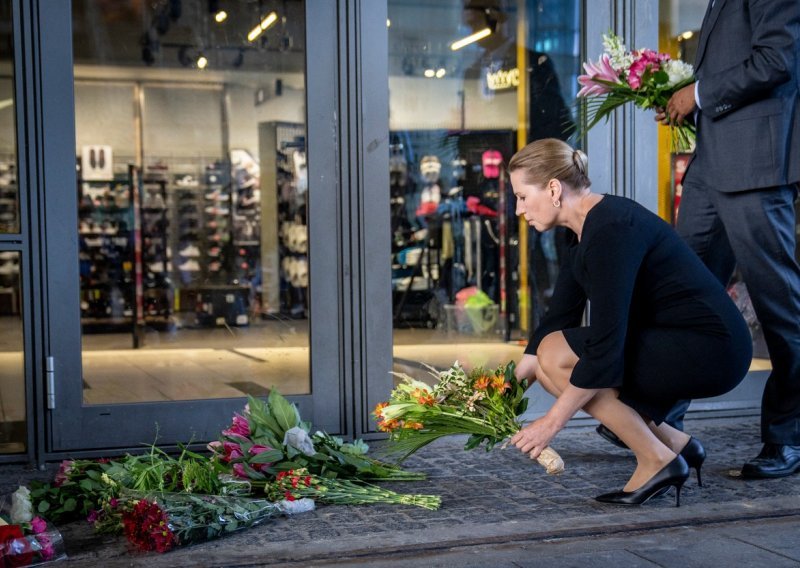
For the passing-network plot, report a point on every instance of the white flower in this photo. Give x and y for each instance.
(621, 58)
(21, 507)
(678, 71)
(298, 439)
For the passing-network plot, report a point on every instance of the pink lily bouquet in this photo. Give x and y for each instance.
(645, 77)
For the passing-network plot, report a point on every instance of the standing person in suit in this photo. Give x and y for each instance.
(739, 190)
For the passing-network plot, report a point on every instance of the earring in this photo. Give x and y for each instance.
(557, 203)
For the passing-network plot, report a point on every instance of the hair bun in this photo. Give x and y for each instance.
(581, 161)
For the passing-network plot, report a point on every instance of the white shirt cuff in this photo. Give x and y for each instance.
(697, 94)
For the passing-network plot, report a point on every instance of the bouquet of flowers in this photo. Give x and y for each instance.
(162, 521)
(27, 539)
(644, 77)
(482, 403)
(270, 437)
(297, 484)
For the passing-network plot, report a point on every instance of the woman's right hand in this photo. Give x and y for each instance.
(526, 368)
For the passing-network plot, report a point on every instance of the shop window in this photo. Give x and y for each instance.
(9, 192)
(470, 82)
(190, 122)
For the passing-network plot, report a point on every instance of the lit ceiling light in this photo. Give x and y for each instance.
(440, 72)
(388, 23)
(270, 19)
(430, 73)
(221, 16)
(687, 35)
(202, 61)
(477, 36)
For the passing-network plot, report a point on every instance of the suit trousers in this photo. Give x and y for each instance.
(756, 231)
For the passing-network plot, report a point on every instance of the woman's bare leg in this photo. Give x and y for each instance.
(556, 362)
(671, 437)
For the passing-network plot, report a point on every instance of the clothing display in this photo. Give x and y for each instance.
(445, 220)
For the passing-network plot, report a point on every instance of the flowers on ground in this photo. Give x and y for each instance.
(298, 484)
(270, 437)
(161, 521)
(26, 539)
(482, 403)
(644, 77)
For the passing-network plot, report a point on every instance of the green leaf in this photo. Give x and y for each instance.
(270, 456)
(232, 526)
(43, 507)
(70, 505)
(282, 411)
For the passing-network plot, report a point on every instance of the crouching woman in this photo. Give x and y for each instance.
(660, 326)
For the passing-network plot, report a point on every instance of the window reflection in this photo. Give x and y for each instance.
(12, 368)
(9, 193)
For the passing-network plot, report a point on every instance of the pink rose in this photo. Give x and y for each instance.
(93, 516)
(113, 502)
(39, 525)
(232, 451)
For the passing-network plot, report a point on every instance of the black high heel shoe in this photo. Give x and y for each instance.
(695, 454)
(674, 474)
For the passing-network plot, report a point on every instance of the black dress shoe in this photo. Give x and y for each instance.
(775, 460)
(610, 436)
(674, 474)
(695, 454)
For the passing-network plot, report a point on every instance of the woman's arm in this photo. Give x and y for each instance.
(536, 436)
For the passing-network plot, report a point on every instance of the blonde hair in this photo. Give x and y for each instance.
(551, 158)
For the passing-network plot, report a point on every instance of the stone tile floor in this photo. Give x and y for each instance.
(488, 498)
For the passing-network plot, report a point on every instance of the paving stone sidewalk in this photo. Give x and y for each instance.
(493, 498)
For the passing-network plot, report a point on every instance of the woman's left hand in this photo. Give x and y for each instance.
(535, 437)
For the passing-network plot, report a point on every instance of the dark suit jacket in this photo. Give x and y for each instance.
(748, 68)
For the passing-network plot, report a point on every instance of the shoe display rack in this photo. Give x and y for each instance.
(9, 198)
(105, 230)
(156, 257)
(285, 185)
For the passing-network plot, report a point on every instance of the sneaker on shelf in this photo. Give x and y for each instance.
(8, 255)
(214, 251)
(214, 266)
(187, 181)
(189, 251)
(217, 195)
(217, 210)
(190, 265)
(9, 268)
(158, 202)
(156, 266)
(83, 228)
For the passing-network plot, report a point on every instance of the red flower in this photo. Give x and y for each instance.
(15, 550)
(146, 527)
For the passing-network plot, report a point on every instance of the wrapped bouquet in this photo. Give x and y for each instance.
(483, 404)
(644, 77)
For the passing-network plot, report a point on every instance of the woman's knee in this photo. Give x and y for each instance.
(555, 355)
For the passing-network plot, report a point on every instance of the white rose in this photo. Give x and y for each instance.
(678, 71)
(21, 507)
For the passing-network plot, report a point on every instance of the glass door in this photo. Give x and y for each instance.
(13, 402)
(182, 255)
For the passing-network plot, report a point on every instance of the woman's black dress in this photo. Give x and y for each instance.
(661, 328)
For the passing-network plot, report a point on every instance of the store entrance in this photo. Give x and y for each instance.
(188, 254)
